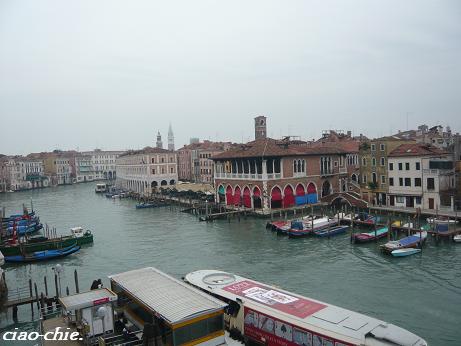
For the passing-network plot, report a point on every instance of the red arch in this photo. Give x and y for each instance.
(276, 194)
(311, 188)
(229, 198)
(237, 196)
(246, 197)
(289, 198)
(300, 190)
(256, 192)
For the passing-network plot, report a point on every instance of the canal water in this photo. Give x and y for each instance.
(421, 293)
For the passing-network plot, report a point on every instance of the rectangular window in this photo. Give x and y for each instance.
(407, 166)
(417, 181)
(400, 181)
(381, 147)
(383, 161)
(391, 166)
(373, 147)
(400, 166)
(153, 171)
(364, 161)
(383, 179)
(417, 200)
(430, 184)
(399, 199)
(391, 181)
(407, 181)
(364, 178)
(418, 166)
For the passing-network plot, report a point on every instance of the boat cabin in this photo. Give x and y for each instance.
(101, 187)
(169, 311)
(91, 314)
(77, 232)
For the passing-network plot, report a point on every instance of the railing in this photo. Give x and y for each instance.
(247, 176)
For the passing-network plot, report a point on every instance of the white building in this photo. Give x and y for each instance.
(144, 170)
(83, 169)
(421, 176)
(103, 163)
(22, 173)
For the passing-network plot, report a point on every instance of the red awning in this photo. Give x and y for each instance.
(299, 190)
(276, 194)
(288, 199)
(256, 192)
(311, 188)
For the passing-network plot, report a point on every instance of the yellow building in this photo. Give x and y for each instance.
(374, 168)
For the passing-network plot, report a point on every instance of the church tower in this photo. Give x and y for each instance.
(159, 143)
(170, 139)
(260, 127)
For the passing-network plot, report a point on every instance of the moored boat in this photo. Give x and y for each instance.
(365, 237)
(304, 228)
(412, 241)
(100, 188)
(329, 232)
(43, 243)
(145, 205)
(42, 255)
(264, 314)
(457, 238)
(405, 252)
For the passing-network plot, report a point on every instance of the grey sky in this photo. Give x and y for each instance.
(109, 74)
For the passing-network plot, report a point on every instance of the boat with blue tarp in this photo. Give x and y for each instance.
(43, 255)
(411, 241)
(329, 232)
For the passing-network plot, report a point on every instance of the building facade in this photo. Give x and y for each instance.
(21, 173)
(58, 167)
(421, 176)
(143, 171)
(269, 174)
(103, 163)
(82, 169)
(373, 159)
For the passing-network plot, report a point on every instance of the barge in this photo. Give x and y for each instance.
(266, 315)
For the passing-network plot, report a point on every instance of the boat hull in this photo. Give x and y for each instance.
(43, 255)
(405, 252)
(53, 244)
(331, 232)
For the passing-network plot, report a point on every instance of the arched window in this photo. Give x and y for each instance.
(295, 167)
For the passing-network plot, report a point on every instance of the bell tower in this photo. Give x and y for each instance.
(260, 127)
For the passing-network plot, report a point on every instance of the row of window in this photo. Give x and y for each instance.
(407, 166)
(382, 147)
(373, 161)
(416, 182)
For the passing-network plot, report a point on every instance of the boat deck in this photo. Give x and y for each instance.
(52, 324)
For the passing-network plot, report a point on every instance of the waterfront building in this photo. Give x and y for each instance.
(21, 173)
(373, 159)
(103, 163)
(195, 163)
(144, 170)
(170, 139)
(82, 169)
(421, 176)
(269, 174)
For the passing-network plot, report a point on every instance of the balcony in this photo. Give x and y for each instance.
(247, 176)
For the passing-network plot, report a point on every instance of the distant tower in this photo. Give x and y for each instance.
(260, 127)
(170, 139)
(159, 143)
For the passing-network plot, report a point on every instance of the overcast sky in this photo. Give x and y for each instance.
(110, 74)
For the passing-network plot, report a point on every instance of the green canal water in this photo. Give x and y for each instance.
(421, 293)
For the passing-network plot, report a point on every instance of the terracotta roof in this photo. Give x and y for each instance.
(269, 147)
(207, 145)
(417, 149)
(146, 150)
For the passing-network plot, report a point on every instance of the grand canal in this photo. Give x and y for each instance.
(421, 293)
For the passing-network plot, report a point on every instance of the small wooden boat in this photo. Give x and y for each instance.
(370, 236)
(405, 252)
(42, 255)
(145, 205)
(329, 232)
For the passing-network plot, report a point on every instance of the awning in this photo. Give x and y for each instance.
(276, 194)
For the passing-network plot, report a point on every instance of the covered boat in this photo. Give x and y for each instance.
(365, 237)
(412, 241)
(329, 232)
(42, 255)
(268, 315)
(303, 228)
